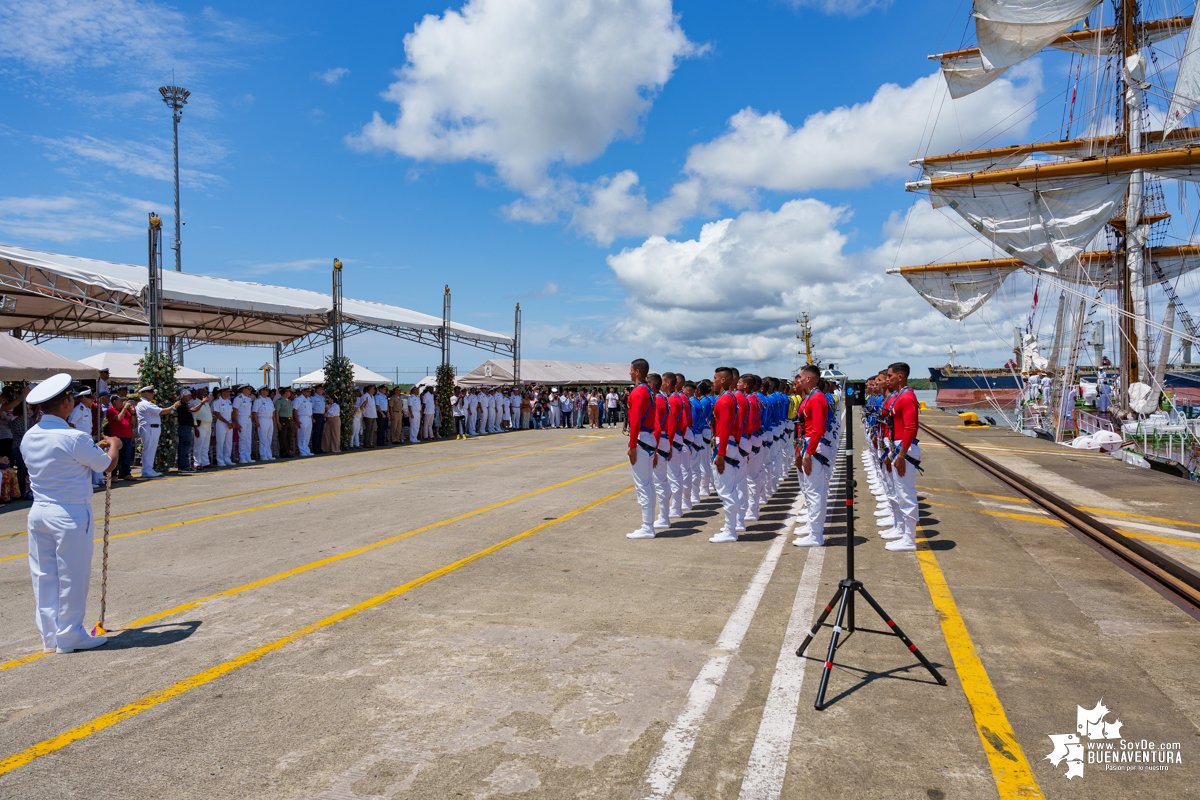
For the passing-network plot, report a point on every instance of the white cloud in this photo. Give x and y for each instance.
(332, 76)
(733, 293)
(33, 220)
(547, 290)
(142, 159)
(849, 8)
(851, 146)
(64, 34)
(848, 147)
(525, 84)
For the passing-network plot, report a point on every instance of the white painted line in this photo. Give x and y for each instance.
(680, 738)
(769, 756)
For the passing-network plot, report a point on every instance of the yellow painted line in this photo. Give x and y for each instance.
(1010, 769)
(316, 496)
(151, 700)
(1101, 511)
(16, 662)
(305, 483)
(1067, 453)
(1047, 520)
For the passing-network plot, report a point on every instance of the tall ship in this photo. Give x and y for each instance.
(1080, 221)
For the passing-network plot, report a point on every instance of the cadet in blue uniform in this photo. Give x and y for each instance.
(60, 461)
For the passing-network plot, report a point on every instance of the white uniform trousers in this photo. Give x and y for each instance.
(200, 450)
(662, 492)
(149, 438)
(412, 429)
(643, 483)
(266, 434)
(726, 484)
(743, 482)
(245, 441)
(60, 563)
(704, 463)
(685, 475)
(906, 492)
(470, 421)
(427, 426)
(224, 443)
(754, 477)
(815, 488)
(304, 436)
(675, 481)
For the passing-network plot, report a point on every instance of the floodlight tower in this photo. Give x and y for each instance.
(176, 98)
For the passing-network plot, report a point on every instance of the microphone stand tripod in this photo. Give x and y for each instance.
(843, 598)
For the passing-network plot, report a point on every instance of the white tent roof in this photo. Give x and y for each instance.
(122, 369)
(362, 376)
(59, 295)
(498, 372)
(22, 361)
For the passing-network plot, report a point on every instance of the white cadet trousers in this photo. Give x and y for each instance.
(815, 488)
(245, 440)
(412, 429)
(60, 563)
(754, 477)
(266, 434)
(200, 450)
(643, 484)
(470, 423)
(149, 447)
(662, 491)
(304, 436)
(906, 489)
(687, 469)
(726, 484)
(704, 463)
(675, 481)
(743, 481)
(224, 444)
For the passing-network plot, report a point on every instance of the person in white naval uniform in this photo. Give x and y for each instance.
(149, 419)
(414, 414)
(222, 410)
(427, 415)
(202, 413)
(243, 405)
(302, 408)
(81, 420)
(60, 461)
(263, 415)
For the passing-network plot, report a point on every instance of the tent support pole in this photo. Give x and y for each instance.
(517, 347)
(445, 329)
(278, 348)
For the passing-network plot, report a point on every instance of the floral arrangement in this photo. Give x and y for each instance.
(158, 370)
(441, 395)
(339, 388)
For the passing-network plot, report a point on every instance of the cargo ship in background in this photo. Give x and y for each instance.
(960, 387)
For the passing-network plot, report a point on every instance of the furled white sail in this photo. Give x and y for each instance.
(1010, 31)
(1044, 225)
(1186, 96)
(966, 74)
(956, 292)
(960, 166)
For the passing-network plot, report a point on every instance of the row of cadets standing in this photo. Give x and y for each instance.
(686, 440)
(893, 455)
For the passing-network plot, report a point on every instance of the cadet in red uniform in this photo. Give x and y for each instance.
(662, 459)
(643, 446)
(674, 444)
(906, 457)
(810, 461)
(743, 445)
(727, 461)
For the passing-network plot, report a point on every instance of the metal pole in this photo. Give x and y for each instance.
(445, 331)
(337, 309)
(278, 377)
(154, 287)
(517, 347)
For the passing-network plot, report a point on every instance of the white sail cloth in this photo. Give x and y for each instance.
(1010, 31)
(965, 74)
(1104, 42)
(957, 293)
(1186, 96)
(1043, 225)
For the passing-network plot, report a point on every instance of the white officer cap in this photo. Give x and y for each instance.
(49, 389)
(83, 393)
(145, 389)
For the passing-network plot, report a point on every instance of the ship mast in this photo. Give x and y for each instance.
(1133, 339)
(805, 335)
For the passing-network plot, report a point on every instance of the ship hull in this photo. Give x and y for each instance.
(965, 386)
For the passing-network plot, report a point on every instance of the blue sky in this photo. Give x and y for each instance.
(677, 182)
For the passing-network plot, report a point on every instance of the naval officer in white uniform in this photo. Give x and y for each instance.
(149, 420)
(60, 461)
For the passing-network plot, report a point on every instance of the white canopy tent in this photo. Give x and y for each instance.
(498, 372)
(59, 295)
(122, 369)
(22, 361)
(362, 376)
